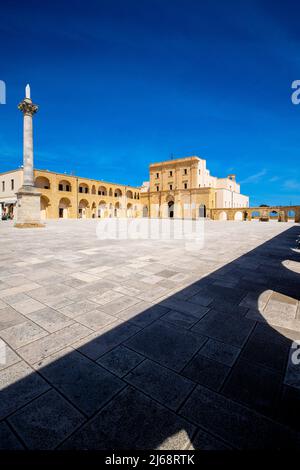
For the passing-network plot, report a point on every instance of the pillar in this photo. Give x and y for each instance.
(282, 216)
(28, 196)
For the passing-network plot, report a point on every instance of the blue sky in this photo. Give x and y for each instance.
(122, 84)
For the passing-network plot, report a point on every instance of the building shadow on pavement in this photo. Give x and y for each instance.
(207, 368)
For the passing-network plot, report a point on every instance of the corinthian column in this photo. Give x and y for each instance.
(28, 197)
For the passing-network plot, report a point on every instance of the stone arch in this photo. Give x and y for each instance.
(170, 198)
(83, 209)
(238, 215)
(118, 192)
(255, 214)
(117, 211)
(167, 207)
(273, 214)
(63, 208)
(145, 211)
(223, 215)
(129, 210)
(42, 182)
(129, 194)
(291, 215)
(64, 185)
(83, 188)
(45, 203)
(102, 191)
(171, 208)
(101, 209)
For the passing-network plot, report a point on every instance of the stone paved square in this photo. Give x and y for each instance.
(147, 345)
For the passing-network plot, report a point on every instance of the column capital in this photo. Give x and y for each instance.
(27, 107)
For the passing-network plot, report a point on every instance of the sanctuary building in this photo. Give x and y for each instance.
(177, 188)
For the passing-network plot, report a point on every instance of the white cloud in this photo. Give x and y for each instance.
(292, 184)
(273, 179)
(254, 178)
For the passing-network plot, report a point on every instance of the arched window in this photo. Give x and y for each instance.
(42, 182)
(83, 188)
(64, 185)
(118, 192)
(102, 191)
(63, 208)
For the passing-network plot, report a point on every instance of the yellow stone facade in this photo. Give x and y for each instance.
(181, 188)
(67, 196)
(184, 188)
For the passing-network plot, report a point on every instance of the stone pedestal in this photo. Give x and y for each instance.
(28, 208)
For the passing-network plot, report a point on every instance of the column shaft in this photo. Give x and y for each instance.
(28, 151)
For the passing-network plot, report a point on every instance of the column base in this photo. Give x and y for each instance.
(28, 208)
(27, 225)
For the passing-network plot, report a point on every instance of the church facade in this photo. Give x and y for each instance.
(185, 188)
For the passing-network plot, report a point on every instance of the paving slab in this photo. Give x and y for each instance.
(22, 334)
(86, 384)
(44, 347)
(106, 339)
(95, 319)
(9, 317)
(133, 421)
(77, 308)
(28, 306)
(237, 425)
(50, 319)
(220, 352)
(205, 441)
(206, 371)
(166, 344)
(255, 386)
(8, 440)
(180, 319)
(45, 422)
(120, 360)
(19, 385)
(162, 384)
(8, 356)
(225, 327)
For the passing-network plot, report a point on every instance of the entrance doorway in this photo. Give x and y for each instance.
(171, 209)
(202, 210)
